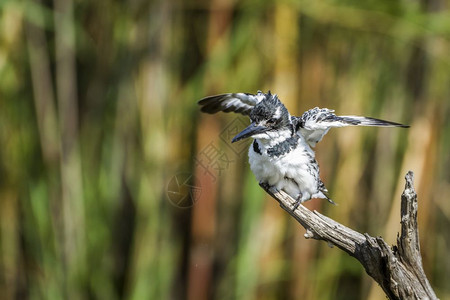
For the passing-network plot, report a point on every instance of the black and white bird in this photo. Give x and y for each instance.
(281, 155)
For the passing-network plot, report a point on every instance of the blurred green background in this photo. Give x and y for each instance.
(114, 186)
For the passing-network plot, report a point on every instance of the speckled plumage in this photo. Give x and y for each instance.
(281, 155)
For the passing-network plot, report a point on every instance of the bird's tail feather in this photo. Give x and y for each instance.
(323, 193)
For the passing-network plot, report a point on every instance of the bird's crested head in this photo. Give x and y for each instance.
(268, 117)
(270, 112)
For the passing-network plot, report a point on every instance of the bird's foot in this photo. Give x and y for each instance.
(297, 202)
(268, 188)
(264, 185)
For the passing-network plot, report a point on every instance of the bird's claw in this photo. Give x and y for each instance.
(264, 185)
(269, 189)
(297, 202)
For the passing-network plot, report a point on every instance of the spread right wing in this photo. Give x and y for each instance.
(316, 122)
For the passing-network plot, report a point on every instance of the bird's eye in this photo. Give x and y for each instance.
(271, 121)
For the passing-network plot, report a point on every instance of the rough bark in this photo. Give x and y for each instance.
(398, 269)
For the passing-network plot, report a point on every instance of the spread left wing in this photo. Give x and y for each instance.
(233, 102)
(316, 122)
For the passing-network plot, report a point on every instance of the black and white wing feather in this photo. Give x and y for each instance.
(233, 102)
(316, 122)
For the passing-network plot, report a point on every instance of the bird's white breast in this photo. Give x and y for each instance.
(291, 172)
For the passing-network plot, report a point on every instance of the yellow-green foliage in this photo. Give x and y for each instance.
(98, 116)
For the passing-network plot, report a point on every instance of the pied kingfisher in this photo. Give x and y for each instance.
(281, 155)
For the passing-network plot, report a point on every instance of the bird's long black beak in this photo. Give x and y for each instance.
(252, 129)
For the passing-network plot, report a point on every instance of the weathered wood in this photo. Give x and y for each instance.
(398, 270)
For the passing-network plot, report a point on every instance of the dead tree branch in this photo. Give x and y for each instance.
(398, 269)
